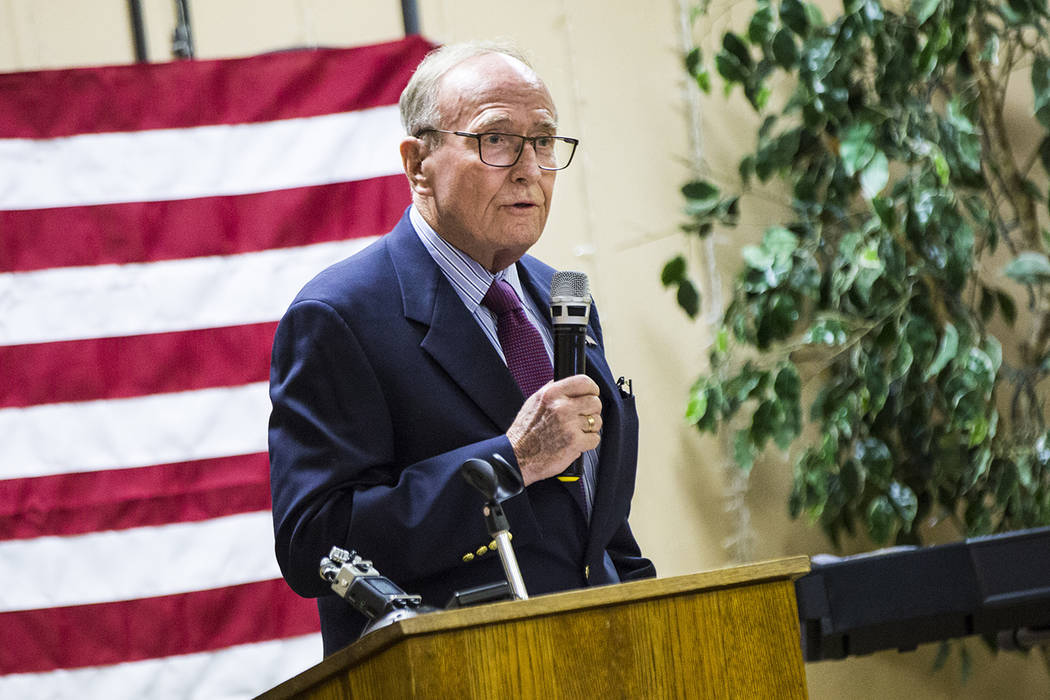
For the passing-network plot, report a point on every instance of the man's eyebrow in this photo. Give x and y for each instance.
(502, 124)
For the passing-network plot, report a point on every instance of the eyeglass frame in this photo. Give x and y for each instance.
(524, 139)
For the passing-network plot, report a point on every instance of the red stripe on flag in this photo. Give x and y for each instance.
(138, 232)
(137, 365)
(118, 499)
(305, 83)
(150, 628)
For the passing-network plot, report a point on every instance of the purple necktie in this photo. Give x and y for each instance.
(522, 345)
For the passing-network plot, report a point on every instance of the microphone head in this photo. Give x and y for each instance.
(566, 283)
(570, 300)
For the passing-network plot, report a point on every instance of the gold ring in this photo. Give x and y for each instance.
(590, 422)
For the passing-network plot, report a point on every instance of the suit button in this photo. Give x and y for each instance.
(587, 572)
(481, 550)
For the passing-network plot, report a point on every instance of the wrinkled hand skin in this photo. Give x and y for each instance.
(551, 429)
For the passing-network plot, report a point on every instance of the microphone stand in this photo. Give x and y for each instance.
(499, 530)
(498, 481)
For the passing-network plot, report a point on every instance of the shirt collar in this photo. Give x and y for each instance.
(468, 277)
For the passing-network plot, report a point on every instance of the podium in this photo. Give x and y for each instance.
(727, 633)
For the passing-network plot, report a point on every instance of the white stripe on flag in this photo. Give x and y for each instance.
(103, 301)
(232, 673)
(142, 562)
(206, 161)
(91, 436)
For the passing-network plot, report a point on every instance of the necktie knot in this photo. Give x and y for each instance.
(501, 298)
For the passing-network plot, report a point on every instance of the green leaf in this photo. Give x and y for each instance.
(857, 148)
(922, 10)
(757, 257)
(994, 350)
(688, 298)
(694, 61)
(730, 68)
(1044, 153)
(875, 175)
(780, 242)
(703, 79)
(777, 153)
(746, 168)
(949, 345)
(875, 457)
(868, 257)
(738, 48)
(697, 406)
(905, 502)
(827, 332)
(761, 26)
(940, 165)
(987, 304)
(1029, 268)
(793, 15)
(673, 272)
(816, 19)
(1041, 88)
(701, 190)
(902, 361)
(881, 520)
(785, 51)
(851, 476)
(788, 384)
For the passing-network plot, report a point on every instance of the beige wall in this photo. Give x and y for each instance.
(614, 70)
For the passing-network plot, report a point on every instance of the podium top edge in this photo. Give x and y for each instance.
(788, 568)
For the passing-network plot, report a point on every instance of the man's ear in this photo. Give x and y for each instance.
(413, 152)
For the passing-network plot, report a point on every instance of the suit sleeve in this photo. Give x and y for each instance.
(627, 556)
(334, 478)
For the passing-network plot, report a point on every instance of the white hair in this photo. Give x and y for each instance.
(419, 103)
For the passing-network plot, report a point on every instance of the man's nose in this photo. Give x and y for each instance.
(528, 165)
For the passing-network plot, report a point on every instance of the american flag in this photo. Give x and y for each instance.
(155, 222)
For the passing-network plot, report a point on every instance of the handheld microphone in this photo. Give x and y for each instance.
(570, 311)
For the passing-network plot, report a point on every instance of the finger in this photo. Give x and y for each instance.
(590, 441)
(578, 385)
(592, 423)
(589, 405)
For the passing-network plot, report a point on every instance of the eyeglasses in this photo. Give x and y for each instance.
(504, 150)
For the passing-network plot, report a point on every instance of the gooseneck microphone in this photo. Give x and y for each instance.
(570, 311)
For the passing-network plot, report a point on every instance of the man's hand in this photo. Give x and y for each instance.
(556, 425)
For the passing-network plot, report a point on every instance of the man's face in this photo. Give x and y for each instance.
(492, 214)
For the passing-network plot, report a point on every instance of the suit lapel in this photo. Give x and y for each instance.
(453, 339)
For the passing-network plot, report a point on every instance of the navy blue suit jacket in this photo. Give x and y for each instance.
(382, 385)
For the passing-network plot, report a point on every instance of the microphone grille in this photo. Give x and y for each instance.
(570, 284)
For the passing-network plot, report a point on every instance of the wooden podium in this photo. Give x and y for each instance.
(729, 633)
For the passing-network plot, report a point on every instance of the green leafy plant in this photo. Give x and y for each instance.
(889, 290)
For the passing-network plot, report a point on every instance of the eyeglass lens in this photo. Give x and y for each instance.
(503, 150)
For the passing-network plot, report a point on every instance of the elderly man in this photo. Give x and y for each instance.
(388, 370)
